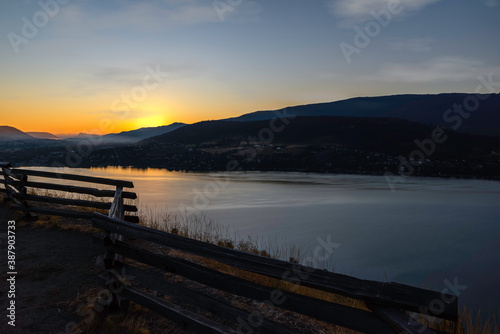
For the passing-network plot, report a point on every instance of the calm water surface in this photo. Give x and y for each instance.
(424, 232)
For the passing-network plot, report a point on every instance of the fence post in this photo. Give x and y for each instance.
(15, 188)
(116, 210)
(4, 166)
(113, 262)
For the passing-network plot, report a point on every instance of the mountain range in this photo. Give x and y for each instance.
(441, 109)
(11, 133)
(42, 135)
(372, 134)
(449, 111)
(130, 137)
(8, 133)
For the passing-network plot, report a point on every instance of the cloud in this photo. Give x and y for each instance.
(437, 70)
(351, 12)
(120, 114)
(130, 76)
(137, 17)
(117, 74)
(114, 80)
(490, 3)
(413, 45)
(247, 12)
(152, 16)
(10, 97)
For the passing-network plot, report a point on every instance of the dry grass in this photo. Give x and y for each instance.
(200, 227)
(64, 224)
(131, 321)
(136, 319)
(470, 322)
(473, 322)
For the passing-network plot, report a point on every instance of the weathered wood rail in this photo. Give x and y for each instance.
(387, 301)
(16, 183)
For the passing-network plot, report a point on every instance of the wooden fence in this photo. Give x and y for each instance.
(16, 185)
(138, 273)
(387, 301)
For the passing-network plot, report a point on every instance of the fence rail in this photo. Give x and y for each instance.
(16, 184)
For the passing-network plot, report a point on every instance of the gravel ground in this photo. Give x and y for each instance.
(53, 268)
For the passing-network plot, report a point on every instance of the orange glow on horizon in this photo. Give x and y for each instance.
(40, 111)
(62, 109)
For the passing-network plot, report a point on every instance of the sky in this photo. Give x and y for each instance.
(96, 66)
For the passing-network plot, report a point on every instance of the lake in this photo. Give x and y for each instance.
(426, 231)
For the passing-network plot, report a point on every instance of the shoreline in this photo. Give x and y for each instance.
(386, 174)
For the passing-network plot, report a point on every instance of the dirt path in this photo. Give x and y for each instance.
(53, 268)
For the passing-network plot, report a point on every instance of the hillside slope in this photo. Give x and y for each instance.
(386, 135)
(42, 135)
(10, 133)
(430, 109)
(134, 136)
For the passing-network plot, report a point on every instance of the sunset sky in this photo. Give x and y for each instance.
(107, 66)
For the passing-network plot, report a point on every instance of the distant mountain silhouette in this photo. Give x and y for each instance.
(10, 133)
(386, 135)
(42, 135)
(428, 109)
(134, 136)
(81, 136)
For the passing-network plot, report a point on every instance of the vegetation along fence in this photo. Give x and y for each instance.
(145, 265)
